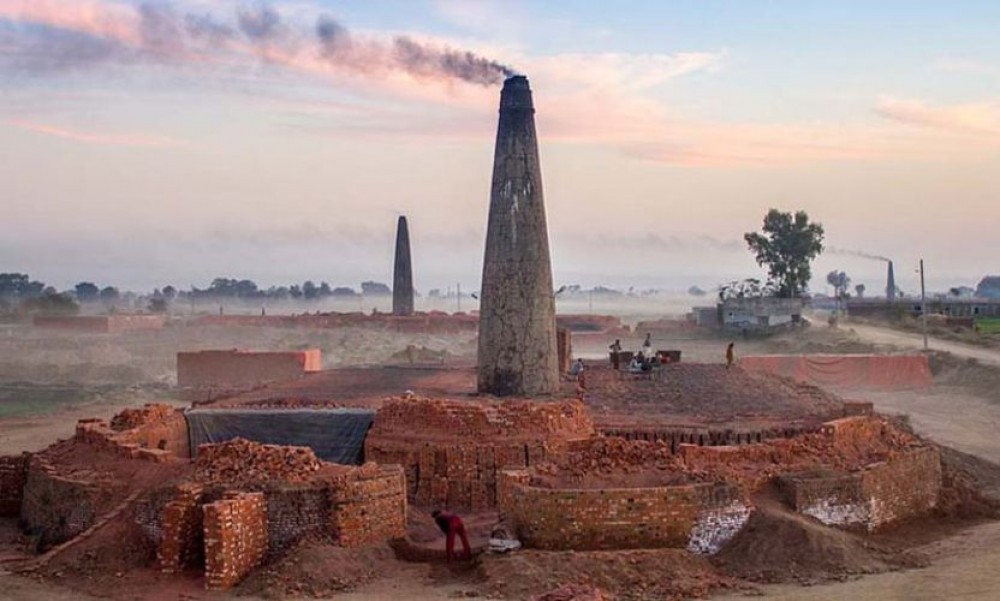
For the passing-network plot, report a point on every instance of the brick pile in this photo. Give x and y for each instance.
(245, 464)
(368, 505)
(99, 435)
(13, 476)
(181, 524)
(130, 419)
(235, 538)
(574, 592)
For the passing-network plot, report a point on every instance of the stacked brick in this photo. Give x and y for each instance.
(295, 511)
(368, 505)
(245, 464)
(235, 538)
(13, 476)
(181, 524)
(452, 451)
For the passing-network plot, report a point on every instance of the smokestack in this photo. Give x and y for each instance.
(890, 285)
(517, 316)
(402, 274)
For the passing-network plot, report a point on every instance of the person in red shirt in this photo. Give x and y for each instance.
(451, 524)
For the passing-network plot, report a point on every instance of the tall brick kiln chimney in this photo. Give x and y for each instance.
(890, 285)
(517, 316)
(402, 274)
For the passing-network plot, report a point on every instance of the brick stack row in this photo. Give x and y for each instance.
(13, 475)
(235, 538)
(182, 529)
(368, 505)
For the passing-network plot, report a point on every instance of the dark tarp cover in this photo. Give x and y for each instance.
(336, 435)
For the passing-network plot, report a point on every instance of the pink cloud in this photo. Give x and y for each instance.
(96, 138)
(972, 118)
(112, 21)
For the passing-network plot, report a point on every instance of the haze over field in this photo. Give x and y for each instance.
(146, 143)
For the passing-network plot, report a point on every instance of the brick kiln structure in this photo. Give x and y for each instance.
(100, 324)
(517, 314)
(454, 451)
(856, 471)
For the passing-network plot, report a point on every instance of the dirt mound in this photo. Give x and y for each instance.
(970, 487)
(967, 374)
(319, 568)
(708, 392)
(665, 574)
(779, 545)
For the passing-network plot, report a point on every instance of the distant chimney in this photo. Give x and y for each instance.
(402, 275)
(517, 315)
(890, 285)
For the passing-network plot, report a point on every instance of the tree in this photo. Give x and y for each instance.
(109, 295)
(309, 290)
(787, 246)
(86, 292)
(169, 293)
(840, 281)
(860, 290)
(19, 286)
(52, 303)
(375, 289)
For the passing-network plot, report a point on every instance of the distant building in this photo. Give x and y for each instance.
(760, 314)
(989, 287)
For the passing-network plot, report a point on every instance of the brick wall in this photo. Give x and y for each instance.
(904, 486)
(233, 368)
(369, 505)
(56, 509)
(182, 527)
(452, 451)
(700, 517)
(295, 511)
(235, 538)
(101, 323)
(13, 475)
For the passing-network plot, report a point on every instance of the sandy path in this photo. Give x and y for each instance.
(916, 341)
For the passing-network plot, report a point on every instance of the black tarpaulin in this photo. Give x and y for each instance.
(336, 435)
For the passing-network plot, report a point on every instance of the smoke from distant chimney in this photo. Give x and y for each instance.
(856, 253)
(339, 47)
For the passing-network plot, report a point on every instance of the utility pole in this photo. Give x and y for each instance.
(458, 288)
(923, 303)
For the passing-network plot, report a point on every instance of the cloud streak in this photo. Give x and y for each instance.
(94, 138)
(981, 118)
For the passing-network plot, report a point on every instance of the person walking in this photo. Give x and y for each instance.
(730, 355)
(577, 371)
(452, 525)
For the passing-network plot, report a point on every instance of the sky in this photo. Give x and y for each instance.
(172, 142)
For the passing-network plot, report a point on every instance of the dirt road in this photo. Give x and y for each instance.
(910, 340)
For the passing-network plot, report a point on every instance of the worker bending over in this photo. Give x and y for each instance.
(451, 524)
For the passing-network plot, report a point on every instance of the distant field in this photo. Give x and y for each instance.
(29, 400)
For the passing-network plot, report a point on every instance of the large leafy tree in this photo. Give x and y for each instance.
(787, 246)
